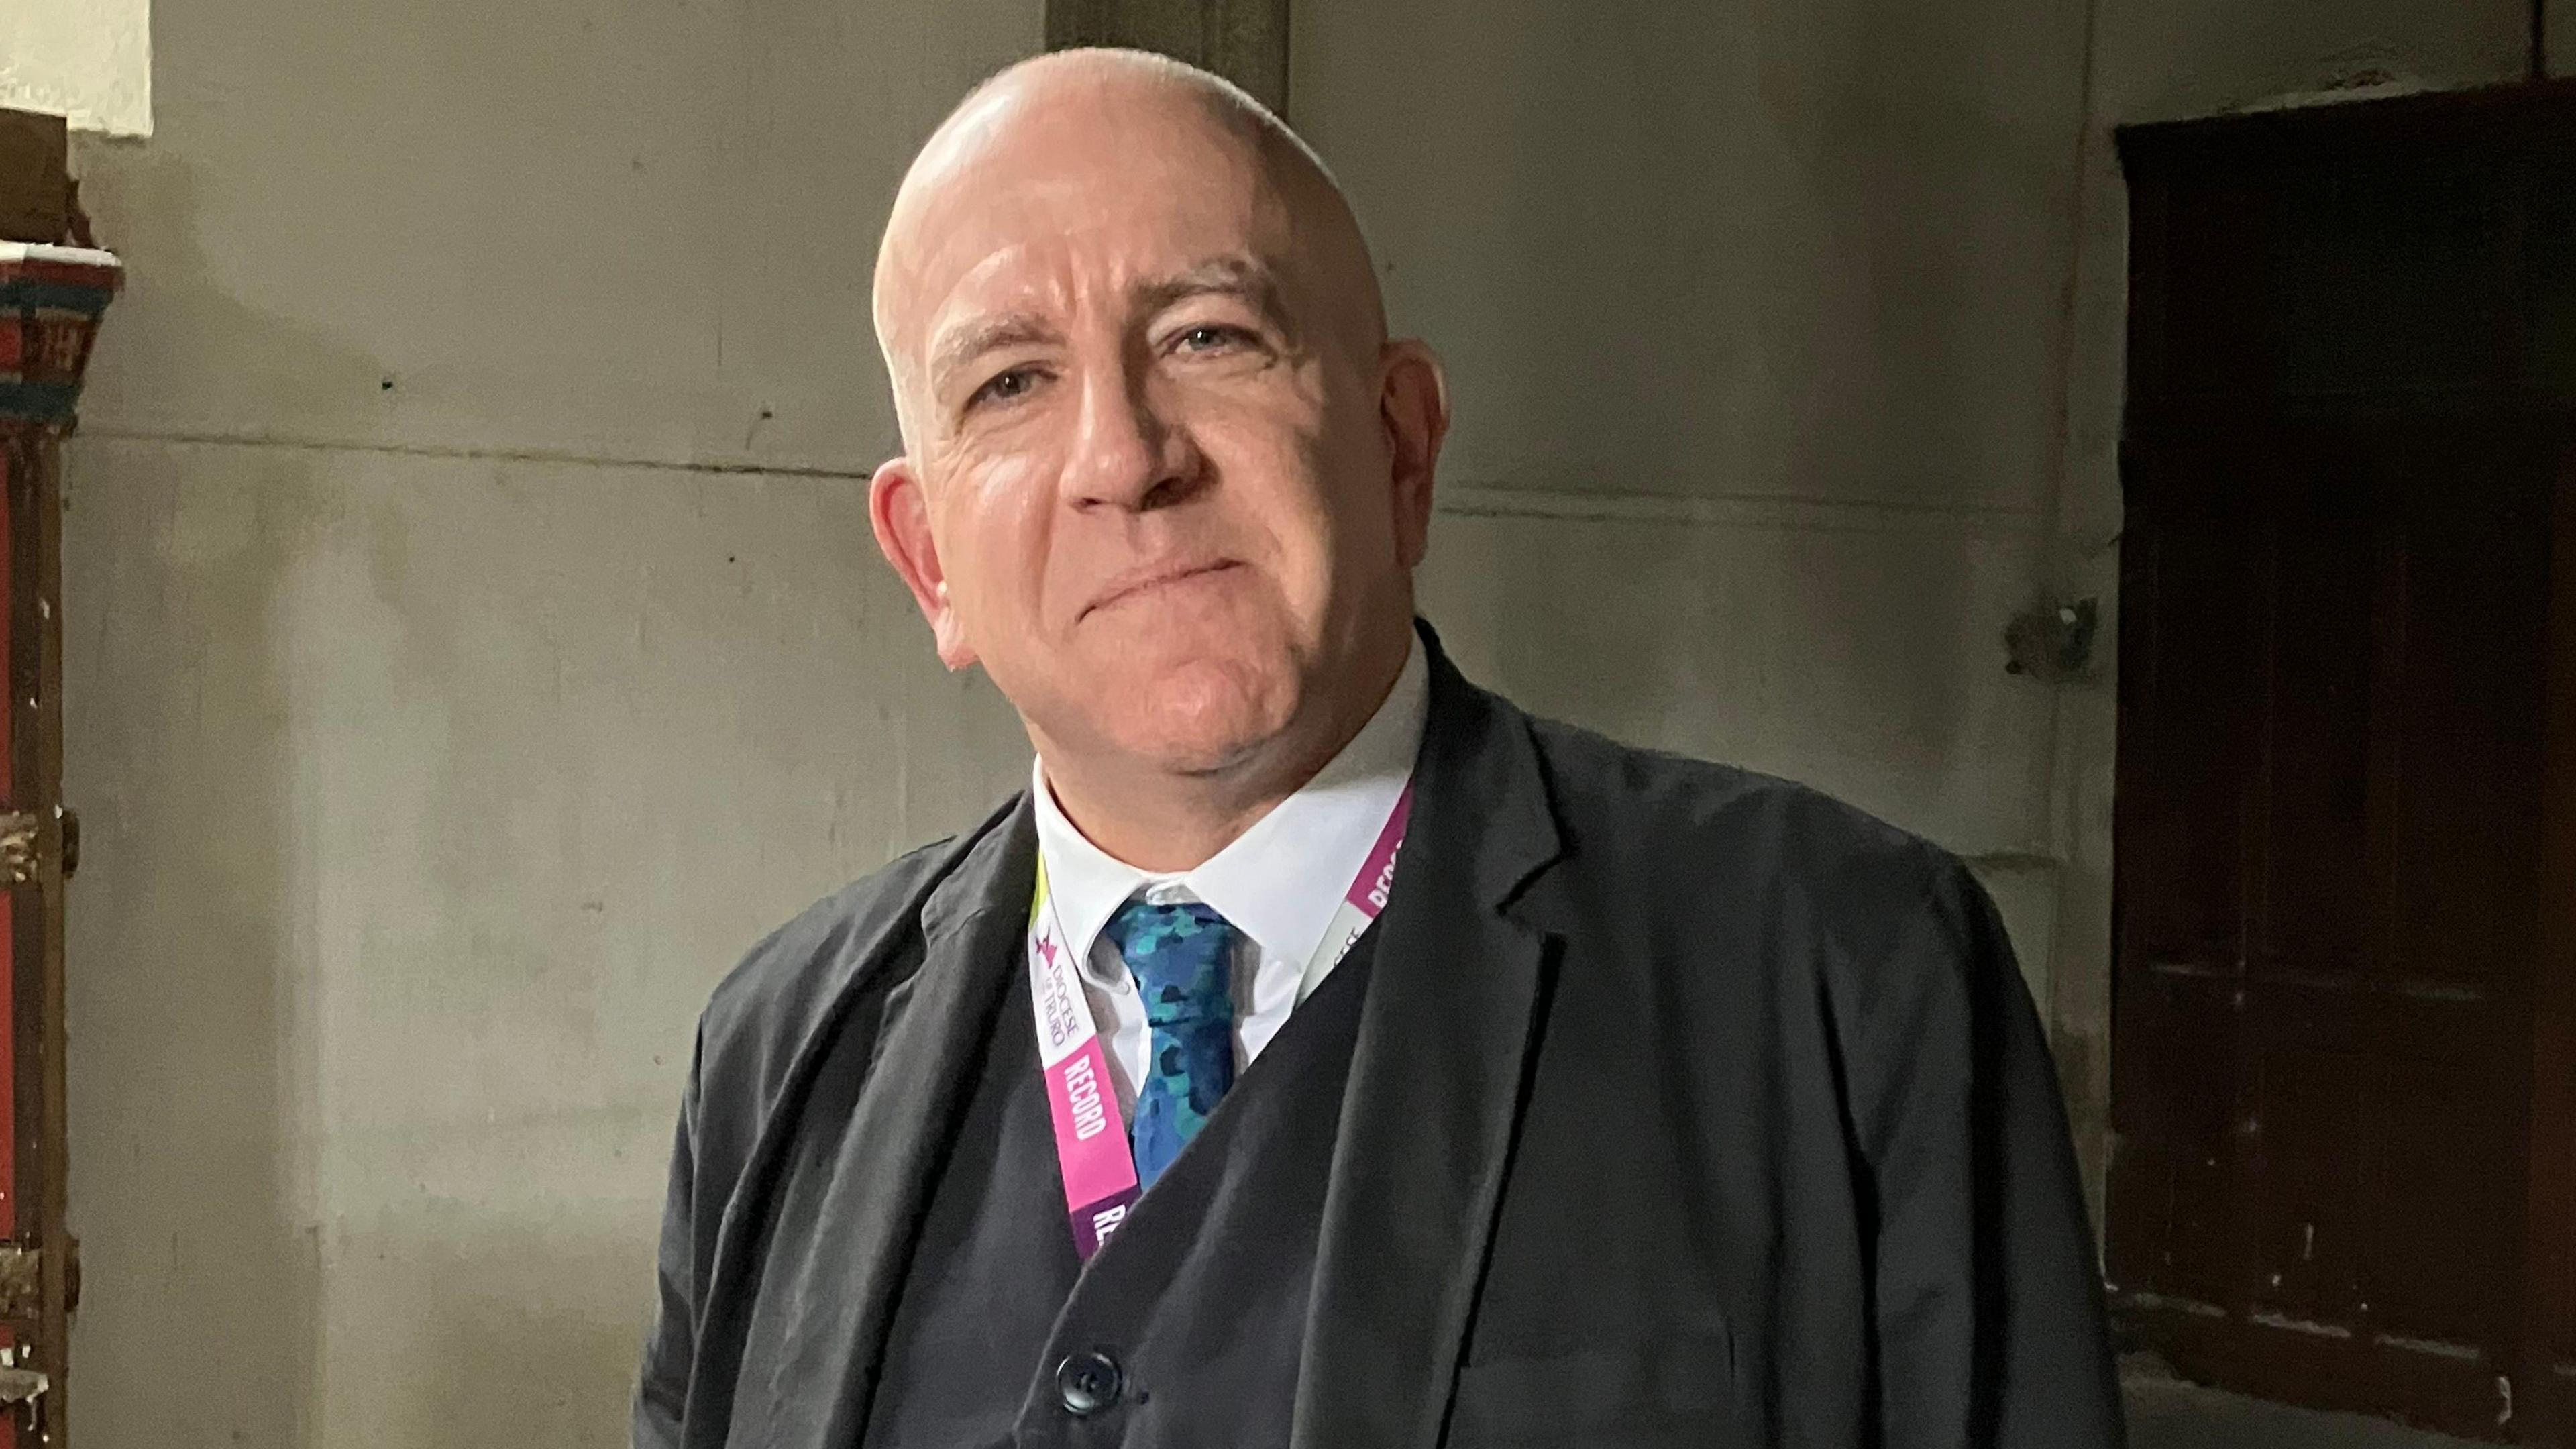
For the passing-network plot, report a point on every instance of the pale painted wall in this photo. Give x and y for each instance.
(440, 743)
(1755, 319)
(89, 61)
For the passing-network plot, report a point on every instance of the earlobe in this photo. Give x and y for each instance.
(900, 514)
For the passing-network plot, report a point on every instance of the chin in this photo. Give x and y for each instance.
(1203, 718)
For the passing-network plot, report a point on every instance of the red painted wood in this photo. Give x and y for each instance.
(49, 306)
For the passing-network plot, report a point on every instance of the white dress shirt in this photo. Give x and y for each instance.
(1277, 884)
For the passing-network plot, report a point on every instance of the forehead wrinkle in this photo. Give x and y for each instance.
(1247, 279)
(1239, 276)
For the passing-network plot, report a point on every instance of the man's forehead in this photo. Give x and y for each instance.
(1070, 183)
(1057, 275)
(1094, 235)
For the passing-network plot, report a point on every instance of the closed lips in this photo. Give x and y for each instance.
(1137, 583)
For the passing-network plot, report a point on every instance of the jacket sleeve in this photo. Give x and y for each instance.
(1989, 1324)
(670, 1345)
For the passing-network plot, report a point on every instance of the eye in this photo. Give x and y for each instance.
(1210, 337)
(1006, 387)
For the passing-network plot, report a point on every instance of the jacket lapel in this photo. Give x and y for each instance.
(855, 1177)
(1435, 1083)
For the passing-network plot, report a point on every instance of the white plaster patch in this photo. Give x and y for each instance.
(89, 61)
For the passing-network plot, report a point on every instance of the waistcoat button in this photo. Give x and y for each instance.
(1088, 1383)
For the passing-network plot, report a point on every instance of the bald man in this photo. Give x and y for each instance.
(1321, 1052)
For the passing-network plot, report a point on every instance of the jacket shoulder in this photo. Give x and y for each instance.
(1814, 900)
(1669, 822)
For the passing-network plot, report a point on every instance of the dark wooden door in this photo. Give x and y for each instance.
(2332, 686)
(2344, 1039)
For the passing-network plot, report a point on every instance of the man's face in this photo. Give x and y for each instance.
(1147, 457)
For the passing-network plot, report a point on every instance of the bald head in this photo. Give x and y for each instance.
(1083, 136)
(1163, 475)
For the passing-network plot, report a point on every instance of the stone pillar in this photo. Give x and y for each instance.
(50, 301)
(1246, 41)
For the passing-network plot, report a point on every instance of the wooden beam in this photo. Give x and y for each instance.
(34, 196)
(1246, 41)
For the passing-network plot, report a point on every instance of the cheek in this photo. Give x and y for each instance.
(993, 536)
(1276, 505)
(1314, 480)
(1359, 457)
(1354, 491)
(1275, 450)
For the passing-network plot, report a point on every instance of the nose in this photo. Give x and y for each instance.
(1128, 454)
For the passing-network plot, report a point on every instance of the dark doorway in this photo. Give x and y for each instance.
(2344, 1072)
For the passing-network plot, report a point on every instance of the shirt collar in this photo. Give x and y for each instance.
(1281, 880)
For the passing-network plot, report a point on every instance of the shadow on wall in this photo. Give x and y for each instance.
(371, 1148)
(1861, 661)
(1754, 464)
(178, 317)
(192, 1067)
(192, 1071)
(1829, 265)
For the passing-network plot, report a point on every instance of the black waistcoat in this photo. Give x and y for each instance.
(1185, 1329)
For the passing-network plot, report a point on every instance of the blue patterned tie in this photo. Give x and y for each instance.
(1181, 958)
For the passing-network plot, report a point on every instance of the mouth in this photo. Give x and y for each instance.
(1143, 582)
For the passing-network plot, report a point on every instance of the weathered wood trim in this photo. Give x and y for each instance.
(51, 298)
(2549, 1276)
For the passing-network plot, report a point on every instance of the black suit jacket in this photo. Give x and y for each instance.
(1688, 1107)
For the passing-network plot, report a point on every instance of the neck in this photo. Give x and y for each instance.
(1164, 832)
(1165, 821)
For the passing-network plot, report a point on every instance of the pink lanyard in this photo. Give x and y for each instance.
(1090, 1138)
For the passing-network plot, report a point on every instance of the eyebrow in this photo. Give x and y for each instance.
(985, 334)
(1235, 276)
(1230, 276)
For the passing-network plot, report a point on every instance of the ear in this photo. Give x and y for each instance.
(1413, 406)
(900, 512)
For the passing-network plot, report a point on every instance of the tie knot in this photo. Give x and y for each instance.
(1180, 957)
